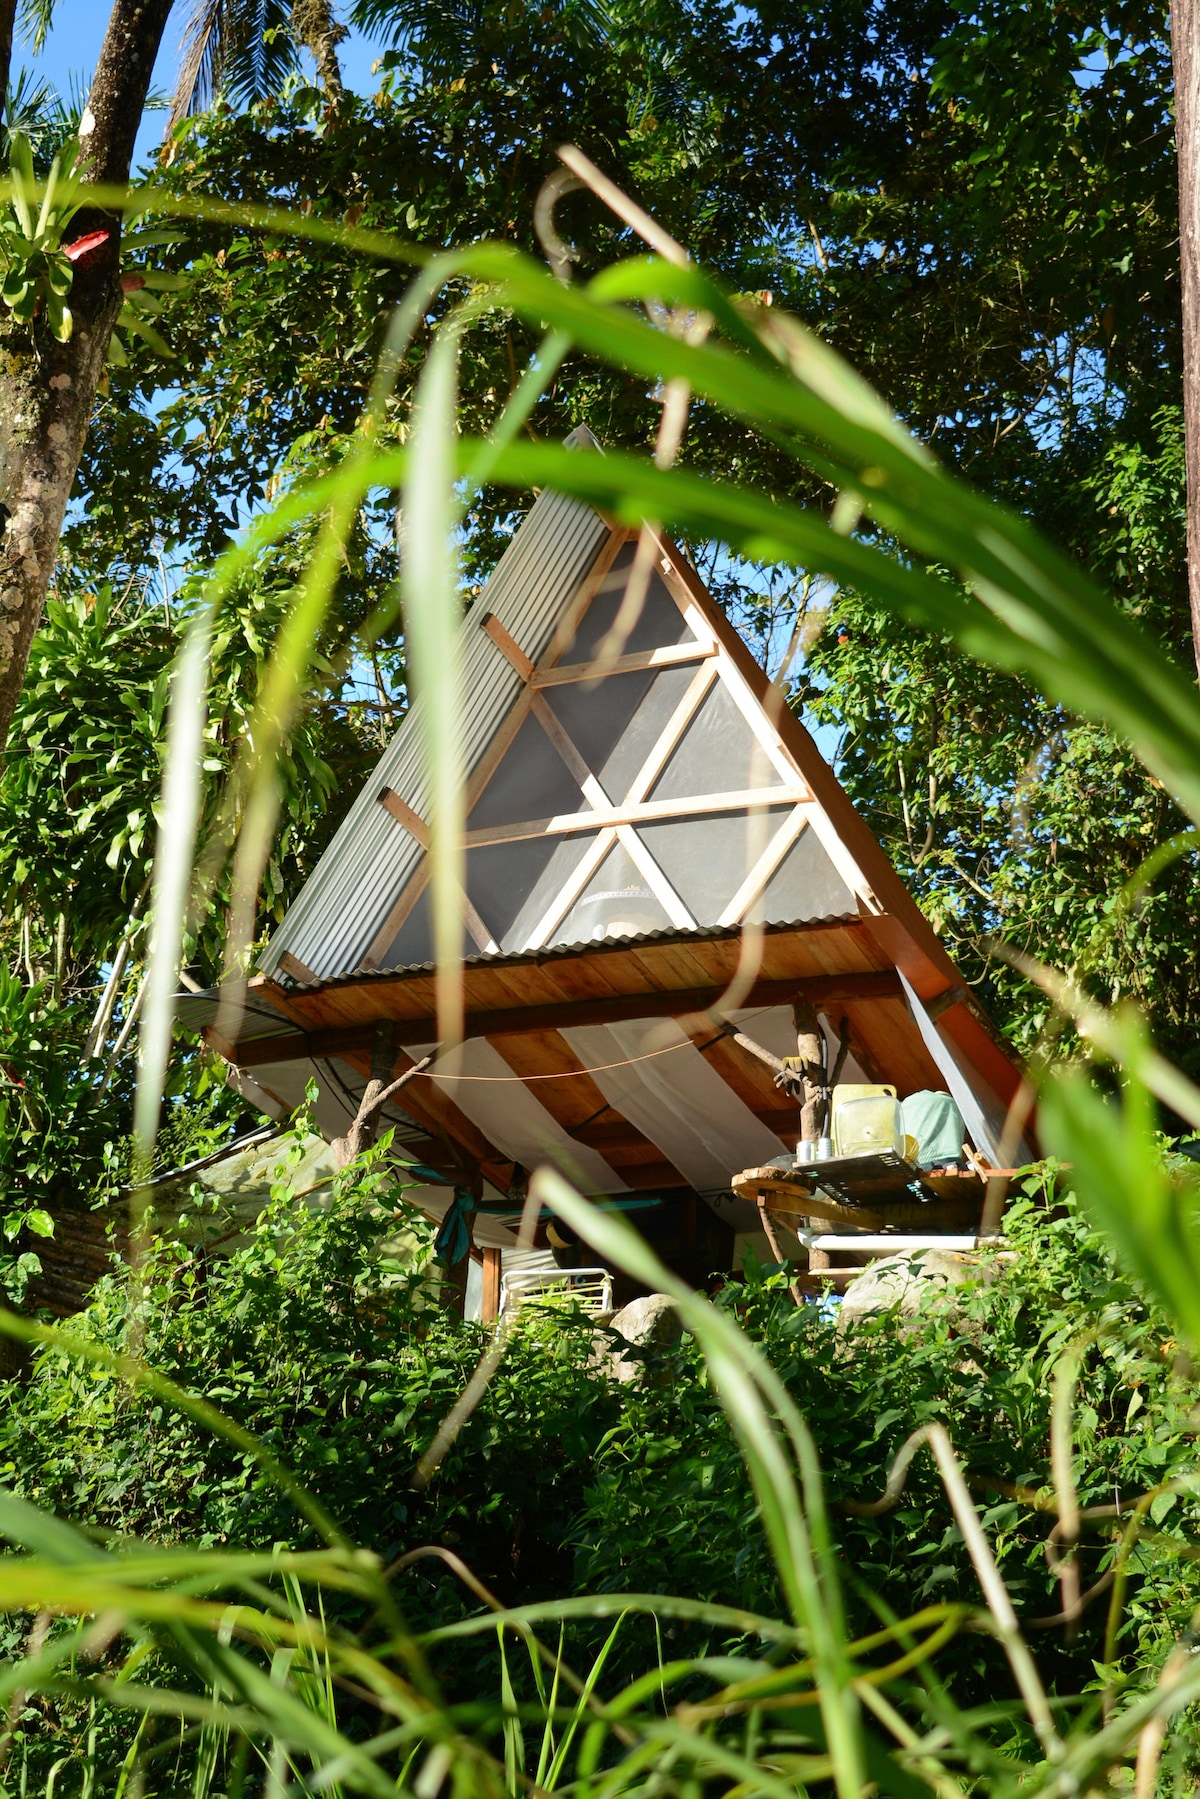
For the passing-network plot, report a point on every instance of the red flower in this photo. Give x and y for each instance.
(83, 246)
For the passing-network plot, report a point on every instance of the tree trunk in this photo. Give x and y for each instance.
(810, 1054)
(1185, 54)
(48, 389)
(314, 25)
(8, 19)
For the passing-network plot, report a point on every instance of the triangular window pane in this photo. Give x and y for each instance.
(616, 724)
(660, 621)
(707, 859)
(413, 942)
(565, 857)
(615, 903)
(718, 753)
(511, 885)
(806, 885)
(532, 781)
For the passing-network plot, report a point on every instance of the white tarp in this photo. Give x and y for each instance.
(677, 1099)
(511, 1117)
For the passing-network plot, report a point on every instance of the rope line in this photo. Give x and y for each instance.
(504, 1080)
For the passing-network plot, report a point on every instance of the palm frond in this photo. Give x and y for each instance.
(442, 35)
(38, 111)
(241, 48)
(36, 18)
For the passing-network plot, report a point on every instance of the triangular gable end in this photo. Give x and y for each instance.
(659, 796)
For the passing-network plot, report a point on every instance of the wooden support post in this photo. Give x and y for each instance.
(776, 1250)
(810, 1053)
(818, 1259)
(491, 1286)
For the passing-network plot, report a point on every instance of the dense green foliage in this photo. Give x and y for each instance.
(293, 1336)
(561, 1481)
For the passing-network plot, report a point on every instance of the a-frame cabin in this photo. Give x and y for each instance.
(620, 833)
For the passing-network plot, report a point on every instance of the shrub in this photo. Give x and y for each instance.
(670, 1510)
(336, 1358)
(340, 1363)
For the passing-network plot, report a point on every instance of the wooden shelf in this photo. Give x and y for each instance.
(871, 1193)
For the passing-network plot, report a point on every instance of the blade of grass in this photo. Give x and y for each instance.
(753, 1397)
(173, 856)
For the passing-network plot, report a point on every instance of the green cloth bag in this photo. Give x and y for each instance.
(937, 1124)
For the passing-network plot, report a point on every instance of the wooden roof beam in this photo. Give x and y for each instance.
(513, 1021)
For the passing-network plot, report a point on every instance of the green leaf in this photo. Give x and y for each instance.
(132, 320)
(1150, 1214)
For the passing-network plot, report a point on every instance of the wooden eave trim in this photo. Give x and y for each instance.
(319, 1041)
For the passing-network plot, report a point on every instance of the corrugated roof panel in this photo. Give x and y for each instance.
(343, 904)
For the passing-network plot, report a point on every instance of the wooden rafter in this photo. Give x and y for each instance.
(571, 889)
(414, 823)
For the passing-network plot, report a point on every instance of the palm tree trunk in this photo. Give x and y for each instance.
(48, 389)
(1185, 54)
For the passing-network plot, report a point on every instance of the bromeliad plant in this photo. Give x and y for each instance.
(39, 262)
(38, 265)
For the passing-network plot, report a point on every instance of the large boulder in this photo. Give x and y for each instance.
(903, 1282)
(648, 1324)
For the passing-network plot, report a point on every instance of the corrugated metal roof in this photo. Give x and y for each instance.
(194, 1011)
(558, 951)
(341, 907)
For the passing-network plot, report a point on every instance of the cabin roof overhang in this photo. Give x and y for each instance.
(616, 1059)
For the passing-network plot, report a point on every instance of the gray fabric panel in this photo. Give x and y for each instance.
(502, 879)
(532, 781)
(413, 942)
(615, 903)
(596, 719)
(568, 853)
(806, 885)
(707, 859)
(659, 622)
(718, 753)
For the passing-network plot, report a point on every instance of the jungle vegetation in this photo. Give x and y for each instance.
(977, 208)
